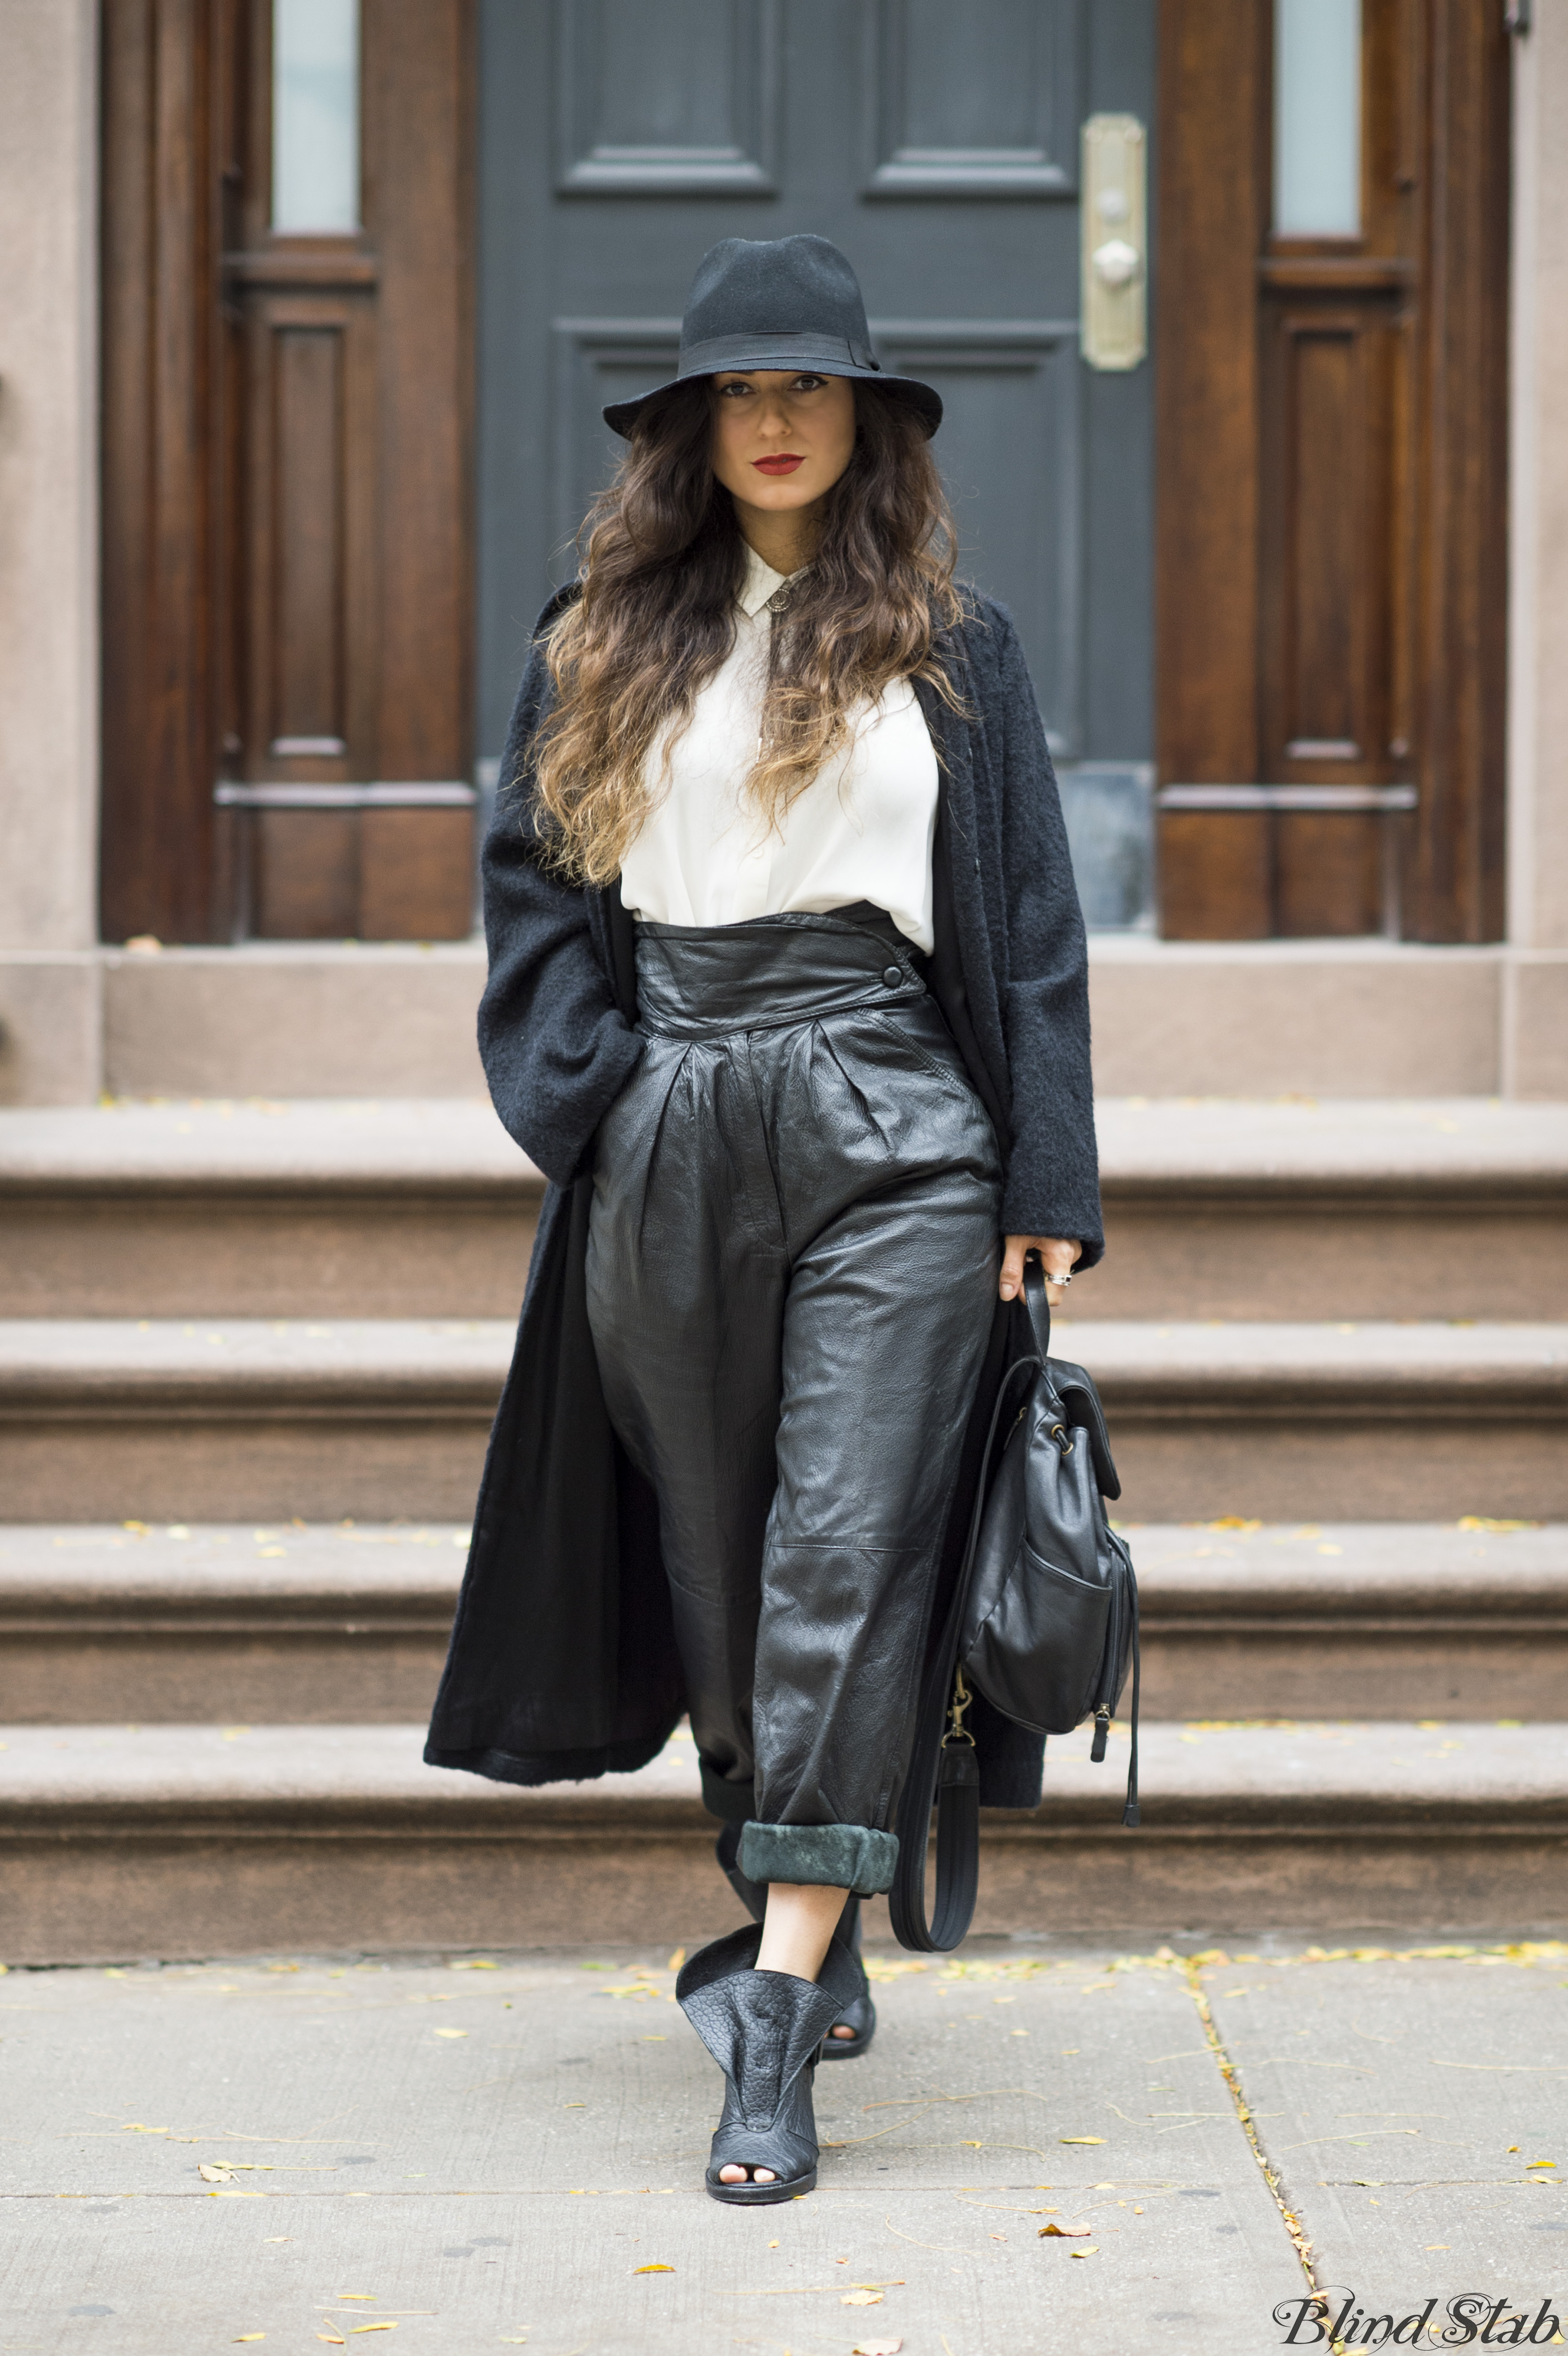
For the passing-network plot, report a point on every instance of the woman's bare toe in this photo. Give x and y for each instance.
(735, 2174)
(841, 2029)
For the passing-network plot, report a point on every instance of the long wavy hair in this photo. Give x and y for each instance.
(663, 561)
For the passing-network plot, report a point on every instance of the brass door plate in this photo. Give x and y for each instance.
(1115, 254)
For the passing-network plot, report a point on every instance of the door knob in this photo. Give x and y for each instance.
(1116, 263)
(1114, 251)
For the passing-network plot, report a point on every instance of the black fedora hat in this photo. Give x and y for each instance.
(778, 303)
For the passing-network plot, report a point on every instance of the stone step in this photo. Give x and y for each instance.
(179, 1841)
(1343, 1210)
(349, 1209)
(1367, 1018)
(320, 1625)
(282, 1210)
(167, 1420)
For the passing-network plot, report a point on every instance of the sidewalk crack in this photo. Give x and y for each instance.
(1228, 2072)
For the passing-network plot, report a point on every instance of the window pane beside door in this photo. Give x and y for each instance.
(315, 116)
(1316, 118)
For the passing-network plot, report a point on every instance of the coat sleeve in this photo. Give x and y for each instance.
(1053, 1184)
(556, 1049)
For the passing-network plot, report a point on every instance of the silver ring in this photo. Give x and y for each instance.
(1058, 1279)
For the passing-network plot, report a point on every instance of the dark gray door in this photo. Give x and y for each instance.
(937, 141)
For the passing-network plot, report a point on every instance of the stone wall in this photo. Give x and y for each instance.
(1535, 1042)
(48, 535)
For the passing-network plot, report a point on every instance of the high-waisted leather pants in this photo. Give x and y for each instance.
(791, 1268)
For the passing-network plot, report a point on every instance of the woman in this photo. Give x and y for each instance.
(787, 999)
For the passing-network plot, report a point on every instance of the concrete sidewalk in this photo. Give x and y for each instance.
(522, 2140)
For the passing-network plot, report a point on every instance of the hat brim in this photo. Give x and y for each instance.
(794, 352)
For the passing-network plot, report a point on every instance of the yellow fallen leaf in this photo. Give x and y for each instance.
(371, 2326)
(1080, 2138)
(233, 2192)
(1061, 2233)
(657, 2268)
(333, 2338)
(861, 2298)
(677, 1960)
(211, 2173)
(1089, 2250)
(877, 2347)
(452, 2032)
(241, 2337)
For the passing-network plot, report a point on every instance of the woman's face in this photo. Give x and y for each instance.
(780, 437)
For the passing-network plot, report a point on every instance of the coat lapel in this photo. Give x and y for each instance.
(965, 988)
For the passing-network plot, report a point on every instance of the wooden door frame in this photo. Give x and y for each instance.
(1450, 631)
(186, 255)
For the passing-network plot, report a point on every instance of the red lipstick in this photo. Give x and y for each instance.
(785, 464)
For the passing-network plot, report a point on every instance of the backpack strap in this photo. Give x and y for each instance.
(944, 1771)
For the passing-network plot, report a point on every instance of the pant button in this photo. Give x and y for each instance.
(893, 976)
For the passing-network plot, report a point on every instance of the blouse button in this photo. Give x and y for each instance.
(893, 976)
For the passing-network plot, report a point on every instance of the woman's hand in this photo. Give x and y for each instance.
(1057, 1255)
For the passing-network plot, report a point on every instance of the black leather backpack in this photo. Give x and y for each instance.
(1044, 1622)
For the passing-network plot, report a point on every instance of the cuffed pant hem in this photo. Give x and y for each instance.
(732, 1804)
(835, 1856)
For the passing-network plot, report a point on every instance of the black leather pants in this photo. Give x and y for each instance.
(792, 1266)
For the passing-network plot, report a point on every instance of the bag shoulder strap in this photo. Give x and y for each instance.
(944, 1771)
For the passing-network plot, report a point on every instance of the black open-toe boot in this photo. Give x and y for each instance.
(765, 2031)
(860, 2013)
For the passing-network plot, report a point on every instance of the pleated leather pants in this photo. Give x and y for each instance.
(791, 1268)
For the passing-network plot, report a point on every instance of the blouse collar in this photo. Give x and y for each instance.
(761, 583)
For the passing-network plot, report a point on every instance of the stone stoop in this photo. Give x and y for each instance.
(349, 1624)
(1335, 1336)
(179, 1841)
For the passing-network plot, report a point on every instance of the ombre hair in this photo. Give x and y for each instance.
(663, 564)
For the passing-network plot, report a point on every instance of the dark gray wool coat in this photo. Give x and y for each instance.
(562, 1664)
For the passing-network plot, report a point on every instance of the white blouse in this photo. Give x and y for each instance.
(861, 830)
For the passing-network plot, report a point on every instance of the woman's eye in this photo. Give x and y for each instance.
(808, 383)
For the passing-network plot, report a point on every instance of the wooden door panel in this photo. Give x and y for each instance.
(1330, 533)
(1328, 873)
(303, 874)
(309, 602)
(416, 874)
(303, 401)
(1331, 414)
(1323, 488)
(1216, 874)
